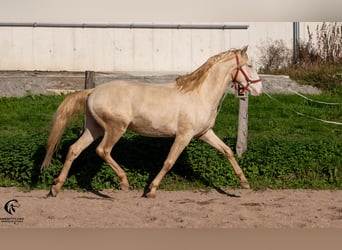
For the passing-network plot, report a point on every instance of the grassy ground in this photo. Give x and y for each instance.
(278, 118)
(285, 150)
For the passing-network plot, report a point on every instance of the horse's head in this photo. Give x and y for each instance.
(245, 77)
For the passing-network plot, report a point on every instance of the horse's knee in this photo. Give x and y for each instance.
(101, 152)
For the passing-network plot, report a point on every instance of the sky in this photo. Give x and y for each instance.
(174, 11)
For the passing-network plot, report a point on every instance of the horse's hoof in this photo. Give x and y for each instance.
(124, 187)
(150, 192)
(245, 185)
(150, 195)
(53, 192)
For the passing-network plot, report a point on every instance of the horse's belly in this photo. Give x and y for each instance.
(153, 128)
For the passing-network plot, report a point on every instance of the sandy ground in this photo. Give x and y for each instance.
(174, 209)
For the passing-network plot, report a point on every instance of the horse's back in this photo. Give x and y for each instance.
(130, 94)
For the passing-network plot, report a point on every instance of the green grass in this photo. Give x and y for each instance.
(278, 118)
(22, 116)
(285, 150)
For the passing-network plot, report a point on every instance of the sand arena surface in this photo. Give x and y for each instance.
(174, 209)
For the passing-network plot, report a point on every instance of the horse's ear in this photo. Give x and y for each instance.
(244, 50)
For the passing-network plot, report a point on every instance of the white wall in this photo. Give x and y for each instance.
(108, 49)
(78, 49)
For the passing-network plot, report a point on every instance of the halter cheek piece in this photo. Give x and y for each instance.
(240, 89)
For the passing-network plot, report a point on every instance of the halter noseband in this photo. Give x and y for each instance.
(242, 90)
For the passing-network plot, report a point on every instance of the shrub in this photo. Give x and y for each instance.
(274, 56)
(329, 42)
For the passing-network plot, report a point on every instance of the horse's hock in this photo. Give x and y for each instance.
(21, 83)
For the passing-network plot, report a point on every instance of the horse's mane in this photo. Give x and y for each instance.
(195, 79)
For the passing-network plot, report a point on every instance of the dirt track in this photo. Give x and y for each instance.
(174, 209)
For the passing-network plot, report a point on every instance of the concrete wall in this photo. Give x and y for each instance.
(110, 49)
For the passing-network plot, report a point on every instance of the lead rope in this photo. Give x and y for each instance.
(301, 114)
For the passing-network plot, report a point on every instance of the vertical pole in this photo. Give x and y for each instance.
(89, 83)
(242, 134)
(296, 41)
(89, 80)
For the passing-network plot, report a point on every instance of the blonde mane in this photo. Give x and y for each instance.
(194, 80)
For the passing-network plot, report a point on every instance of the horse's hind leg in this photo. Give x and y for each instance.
(213, 140)
(82, 143)
(110, 138)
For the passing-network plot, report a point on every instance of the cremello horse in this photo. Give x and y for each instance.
(184, 109)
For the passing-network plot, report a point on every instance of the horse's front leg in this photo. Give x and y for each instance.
(213, 140)
(181, 141)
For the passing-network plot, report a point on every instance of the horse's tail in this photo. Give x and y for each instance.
(72, 105)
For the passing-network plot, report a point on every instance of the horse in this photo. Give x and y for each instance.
(185, 108)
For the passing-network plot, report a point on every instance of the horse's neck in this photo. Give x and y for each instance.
(214, 86)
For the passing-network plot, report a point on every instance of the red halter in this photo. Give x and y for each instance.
(239, 68)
